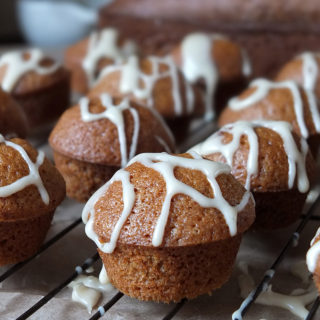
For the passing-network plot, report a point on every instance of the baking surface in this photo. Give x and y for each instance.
(259, 250)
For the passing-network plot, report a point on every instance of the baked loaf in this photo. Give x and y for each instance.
(168, 227)
(281, 101)
(13, 121)
(271, 161)
(94, 139)
(215, 63)
(272, 31)
(313, 259)
(39, 84)
(31, 189)
(86, 58)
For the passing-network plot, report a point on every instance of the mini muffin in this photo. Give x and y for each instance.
(157, 83)
(169, 227)
(13, 121)
(283, 101)
(94, 139)
(313, 259)
(86, 58)
(30, 190)
(304, 70)
(271, 161)
(40, 85)
(217, 64)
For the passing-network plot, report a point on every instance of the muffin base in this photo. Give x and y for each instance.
(82, 178)
(44, 106)
(171, 274)
(276, 210)
(21, 239)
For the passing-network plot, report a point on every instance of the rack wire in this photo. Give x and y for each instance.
(102, 310)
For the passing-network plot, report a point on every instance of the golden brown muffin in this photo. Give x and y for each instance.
(280, 101)
(169, 227)
(30, 190)
(94, 139)
(39, 84)
(86, 58)
(13, 121)
(271, 161)
(313, 259)
(216, 64)
(304, 70)
(157, 83)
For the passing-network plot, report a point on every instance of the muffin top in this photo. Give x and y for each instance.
(101, 48)
(264, 155)
(313, 255)
(164, 200)
(13, 120)
(267, 100)
(153, 81)
(304, 70)
(24, 72)
(29, 184)
(109, 131)
(211, 59)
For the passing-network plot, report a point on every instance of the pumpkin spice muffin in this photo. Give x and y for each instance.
(215, 63)
(94, 139)
(157, 83)
(86, 58)
(313, 259)
(13, 121)
(40, 85)
(30, 190)
(271, 161)
(280, 101)
(169, 227)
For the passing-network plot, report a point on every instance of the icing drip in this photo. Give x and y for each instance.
(87, 290)
(103, 44)
(246, 64)
(263, 87)
(115, 114)
(313, 253)
(294, 303)
(310, 73)
(296, 158)
(141, 85)
(198, 63)
(165, 164)
(17, 66)
(33, 178)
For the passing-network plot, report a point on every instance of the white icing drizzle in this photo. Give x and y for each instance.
(246, 64)
(17, 66)
(296, 304)
(115, 114)
(141, 85)
(103, 44)
(165, 164)
(263, 86)
(103, 276)
(87, 290)
(296, 158)
(33, 178)
(198, 63)
(313, 253)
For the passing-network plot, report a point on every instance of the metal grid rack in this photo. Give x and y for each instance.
(244, 308)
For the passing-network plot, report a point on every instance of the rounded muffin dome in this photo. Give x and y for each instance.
(304, 70)
(13, 121)
(153, 81)
(30, 185)
(263, 155)
(109, 131)
(168, 200)
(281, 101)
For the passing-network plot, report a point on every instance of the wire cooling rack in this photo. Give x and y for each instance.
(172, 310)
